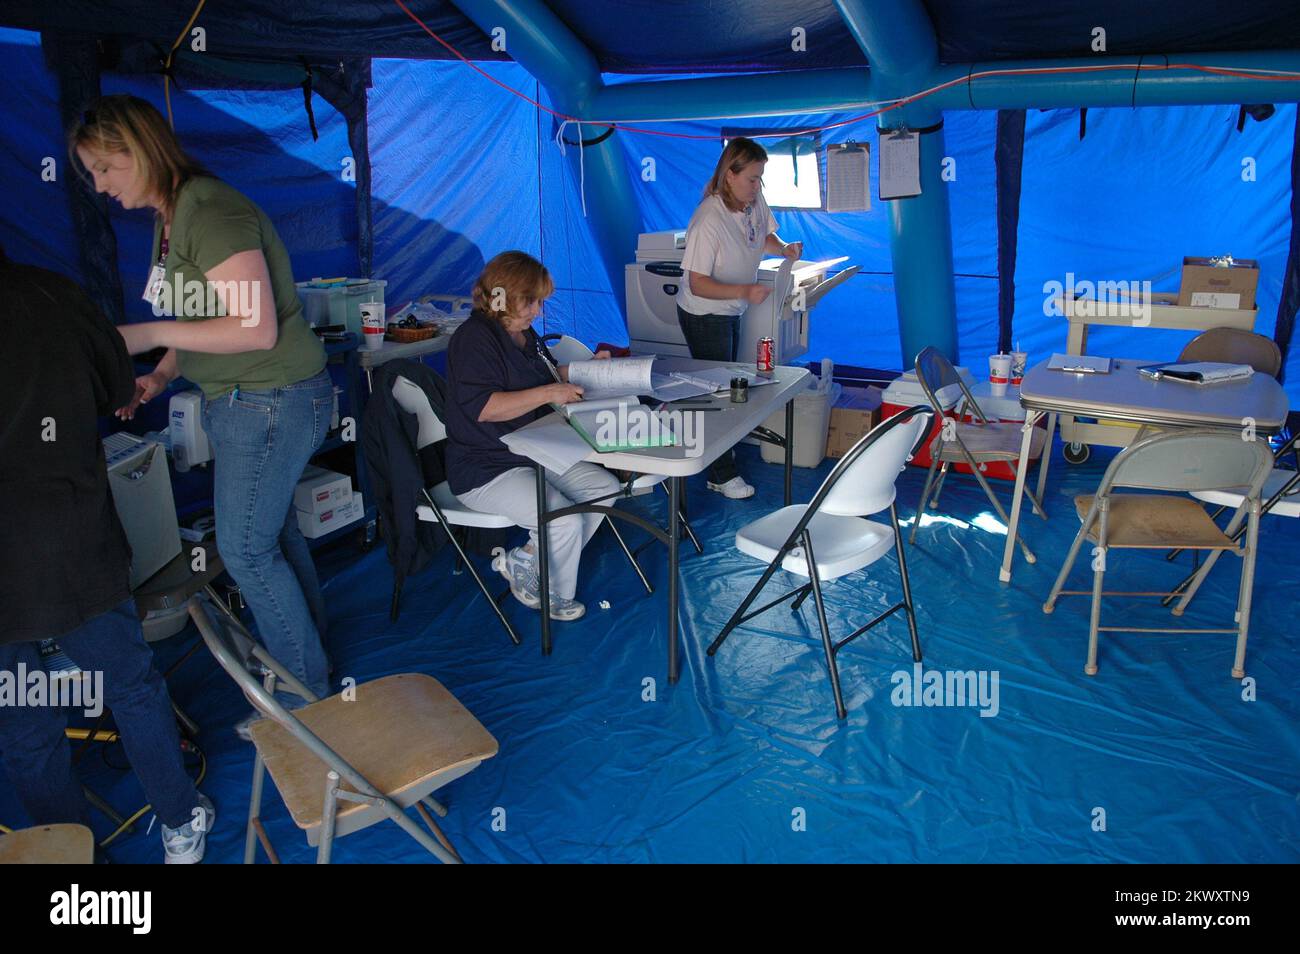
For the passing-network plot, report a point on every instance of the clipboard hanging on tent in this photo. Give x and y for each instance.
(900, 164)
(848, 177)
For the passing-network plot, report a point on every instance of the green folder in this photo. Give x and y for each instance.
(656, 432)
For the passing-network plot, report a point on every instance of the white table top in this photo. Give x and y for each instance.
(398, 349)
(722, 430)
(1125, 395)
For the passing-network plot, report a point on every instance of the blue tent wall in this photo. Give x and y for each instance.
(857, 324)
(477, 175)
(1141, 190)
(258, 141)
(478, 172)
(34, 218)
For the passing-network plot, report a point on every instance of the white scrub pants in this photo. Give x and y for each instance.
(514, 495)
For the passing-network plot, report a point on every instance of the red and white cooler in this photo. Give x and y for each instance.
(906, 391)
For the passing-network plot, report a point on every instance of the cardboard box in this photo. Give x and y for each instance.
(1206, 285)
(315, 525)
(854, 414)
(321, 490)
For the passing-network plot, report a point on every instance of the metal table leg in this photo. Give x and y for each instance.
(675, 496)
(1047, 455)
(1008, 552)
(789, 447)
(543, 560)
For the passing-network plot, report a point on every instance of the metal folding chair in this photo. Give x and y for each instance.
(1182, 461)
(1235, 346)
(346, 762)
(828, 537)
(1281, 497)
(64, 844)
(980, 442)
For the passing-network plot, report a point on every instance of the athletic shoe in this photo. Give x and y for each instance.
(520, 571)
(566, 610)
(734, 489)
(185, 845)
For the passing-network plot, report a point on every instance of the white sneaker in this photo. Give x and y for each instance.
(566, 610)
(185, 845)
(520, 571)
(734, 489)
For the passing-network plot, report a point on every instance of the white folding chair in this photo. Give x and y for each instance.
(1188, 460)
(440, 504)
(830, 537)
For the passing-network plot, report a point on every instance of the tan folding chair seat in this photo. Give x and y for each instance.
(1150, 522)
(48, 845)
(384, 734)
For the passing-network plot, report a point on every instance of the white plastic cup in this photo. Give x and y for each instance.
(372, 325)
(999, 373)
(1019, 360)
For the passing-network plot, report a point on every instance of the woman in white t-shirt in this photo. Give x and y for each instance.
(727, 237)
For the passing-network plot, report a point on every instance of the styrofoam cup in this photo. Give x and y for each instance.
(999, 368)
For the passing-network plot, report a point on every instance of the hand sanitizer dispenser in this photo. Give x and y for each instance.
(189, 441)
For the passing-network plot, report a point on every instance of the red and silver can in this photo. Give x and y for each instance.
(765, 354)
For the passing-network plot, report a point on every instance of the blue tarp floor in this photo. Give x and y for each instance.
(1158, 758)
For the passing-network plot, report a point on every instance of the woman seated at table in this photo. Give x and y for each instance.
(500, 377)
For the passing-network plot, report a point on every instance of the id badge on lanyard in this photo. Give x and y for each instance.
(153, 287)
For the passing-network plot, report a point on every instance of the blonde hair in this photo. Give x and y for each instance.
(130, 125)
(509, 282)
(739, 153)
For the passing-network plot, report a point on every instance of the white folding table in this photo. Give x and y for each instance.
(1256, 405)
(720, 431)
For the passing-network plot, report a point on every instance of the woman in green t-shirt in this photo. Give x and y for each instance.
(221, 270)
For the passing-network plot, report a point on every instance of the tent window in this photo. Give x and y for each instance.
(792, 179)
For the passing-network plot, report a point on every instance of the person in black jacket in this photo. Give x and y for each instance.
(65, 562)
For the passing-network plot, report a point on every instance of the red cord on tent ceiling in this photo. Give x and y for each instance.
(905, 101)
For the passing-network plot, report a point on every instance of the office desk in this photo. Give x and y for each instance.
(722, 430)
(1124, 395)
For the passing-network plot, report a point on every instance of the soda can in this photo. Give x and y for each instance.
(765, 354)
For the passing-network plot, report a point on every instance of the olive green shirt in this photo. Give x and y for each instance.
(212, 222)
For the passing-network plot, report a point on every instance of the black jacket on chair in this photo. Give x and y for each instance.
(399, 470)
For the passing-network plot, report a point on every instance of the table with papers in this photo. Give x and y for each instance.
(552, 443)
(1125, 395)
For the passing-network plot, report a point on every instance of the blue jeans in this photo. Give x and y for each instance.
(713, 338)
(35, 750)
(262, 440)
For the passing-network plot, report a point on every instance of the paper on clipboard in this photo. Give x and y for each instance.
(900, 165)
(1083, 363)
(848, 177)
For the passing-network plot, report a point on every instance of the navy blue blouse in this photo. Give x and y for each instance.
(482, 360)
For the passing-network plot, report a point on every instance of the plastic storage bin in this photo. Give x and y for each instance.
(339, 302)
(812, 421)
